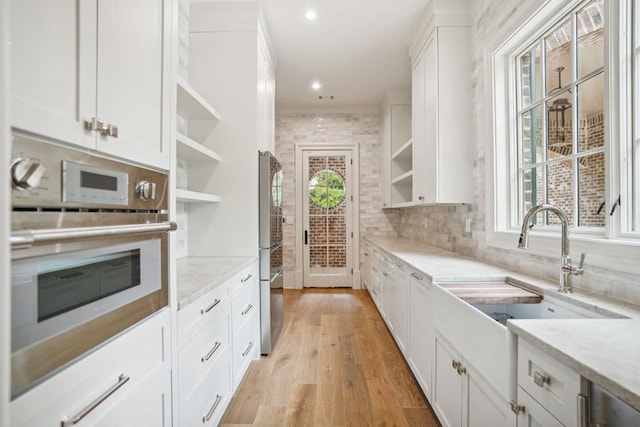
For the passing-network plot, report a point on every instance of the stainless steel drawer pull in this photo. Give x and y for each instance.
(249, 347)
(249, 276)
(208, 309)
(416, 276)
(515, 408)
(455, 364)
(213, 409)
(541, 379)
(398, 264)
(248, 309)
(215, 348)
(122, 380)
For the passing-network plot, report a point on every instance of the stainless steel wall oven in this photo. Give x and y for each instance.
(89, 254)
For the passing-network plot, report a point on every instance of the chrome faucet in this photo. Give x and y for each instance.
(568, 270)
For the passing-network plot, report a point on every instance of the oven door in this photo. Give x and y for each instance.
(79, 294)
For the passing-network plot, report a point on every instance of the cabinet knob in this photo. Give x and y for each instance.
(112, 130)
(515, 408)
(420, 197)
(541, 379)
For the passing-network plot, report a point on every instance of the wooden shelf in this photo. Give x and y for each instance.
(192, 106)
(402, 205)
(188, 149)
(407, 176)
(187, 196)
(404, 152)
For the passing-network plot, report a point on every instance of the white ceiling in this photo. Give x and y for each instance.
(357, 50)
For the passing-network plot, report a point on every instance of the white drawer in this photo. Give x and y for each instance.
(195, 316)
(247, 277)
(534, 415)
(200, 354)
(246, 347)
(137, 355)
(551, 383)
(245, 304)
(207, 403)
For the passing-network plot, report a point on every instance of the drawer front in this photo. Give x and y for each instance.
(207, 403)
(201, 353)
(246, 347)
(198, 314)
(244, 279)
(551, 383)
(245, 305)
(121, 366)
(534, 415)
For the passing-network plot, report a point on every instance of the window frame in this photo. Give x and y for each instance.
(617, 241)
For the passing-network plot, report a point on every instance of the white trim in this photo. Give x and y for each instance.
(326, 107)
(5, 263)
(299, 192)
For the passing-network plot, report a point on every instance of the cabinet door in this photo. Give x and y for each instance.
(386, 296)
(418, 127)
(401, 307)
(131, 36)
(428, 160)
(534, 415)
(386, 159)
(447, 384)
(421, 337)
(482, 405)
(53, 67)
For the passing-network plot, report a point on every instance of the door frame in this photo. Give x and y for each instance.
(355, 211)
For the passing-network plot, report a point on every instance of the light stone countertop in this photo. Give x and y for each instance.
(605, 351)
(199, 275)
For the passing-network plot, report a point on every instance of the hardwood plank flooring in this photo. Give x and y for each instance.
(335, 364)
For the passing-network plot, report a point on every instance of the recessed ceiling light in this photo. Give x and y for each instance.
(310, 15)
(315, 85)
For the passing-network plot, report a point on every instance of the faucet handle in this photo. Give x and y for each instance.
(582, 257)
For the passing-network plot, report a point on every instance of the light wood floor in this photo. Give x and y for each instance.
(335, 364)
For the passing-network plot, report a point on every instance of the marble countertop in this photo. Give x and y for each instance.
(605, 351)
(199, 275)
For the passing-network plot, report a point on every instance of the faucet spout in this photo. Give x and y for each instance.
(568, 270)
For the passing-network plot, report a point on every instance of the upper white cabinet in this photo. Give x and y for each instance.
(397, 145)
(91, 74)
(441, 101)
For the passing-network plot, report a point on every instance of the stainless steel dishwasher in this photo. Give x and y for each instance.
(607, 410)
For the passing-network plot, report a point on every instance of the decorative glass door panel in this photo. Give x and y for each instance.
(327, 219)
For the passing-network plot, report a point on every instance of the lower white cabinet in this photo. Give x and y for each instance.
(400, 305)
(548, 382)
(533, 414)
(461, 396)
(127, 382)
(245, 327)
(218, 336)
(421, 330)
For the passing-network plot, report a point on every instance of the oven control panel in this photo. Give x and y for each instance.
(52, 176)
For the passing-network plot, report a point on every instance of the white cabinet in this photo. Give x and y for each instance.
(534, 415)
(441, 103)
(421, 337)
(266, 101)
(397, 145)
(94, 62)
(548, 382)
(217, 339)
(134, 367)
(400, 303)
(461, 396)
(245, 322)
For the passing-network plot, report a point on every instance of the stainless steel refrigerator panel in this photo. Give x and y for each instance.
(271, 314)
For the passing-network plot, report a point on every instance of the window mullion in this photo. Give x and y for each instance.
(575, 124)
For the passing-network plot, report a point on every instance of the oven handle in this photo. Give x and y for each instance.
(27, 238)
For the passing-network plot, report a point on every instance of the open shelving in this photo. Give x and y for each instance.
(191, 106)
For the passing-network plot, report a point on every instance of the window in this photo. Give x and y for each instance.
(560, 120)
(565, 85)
